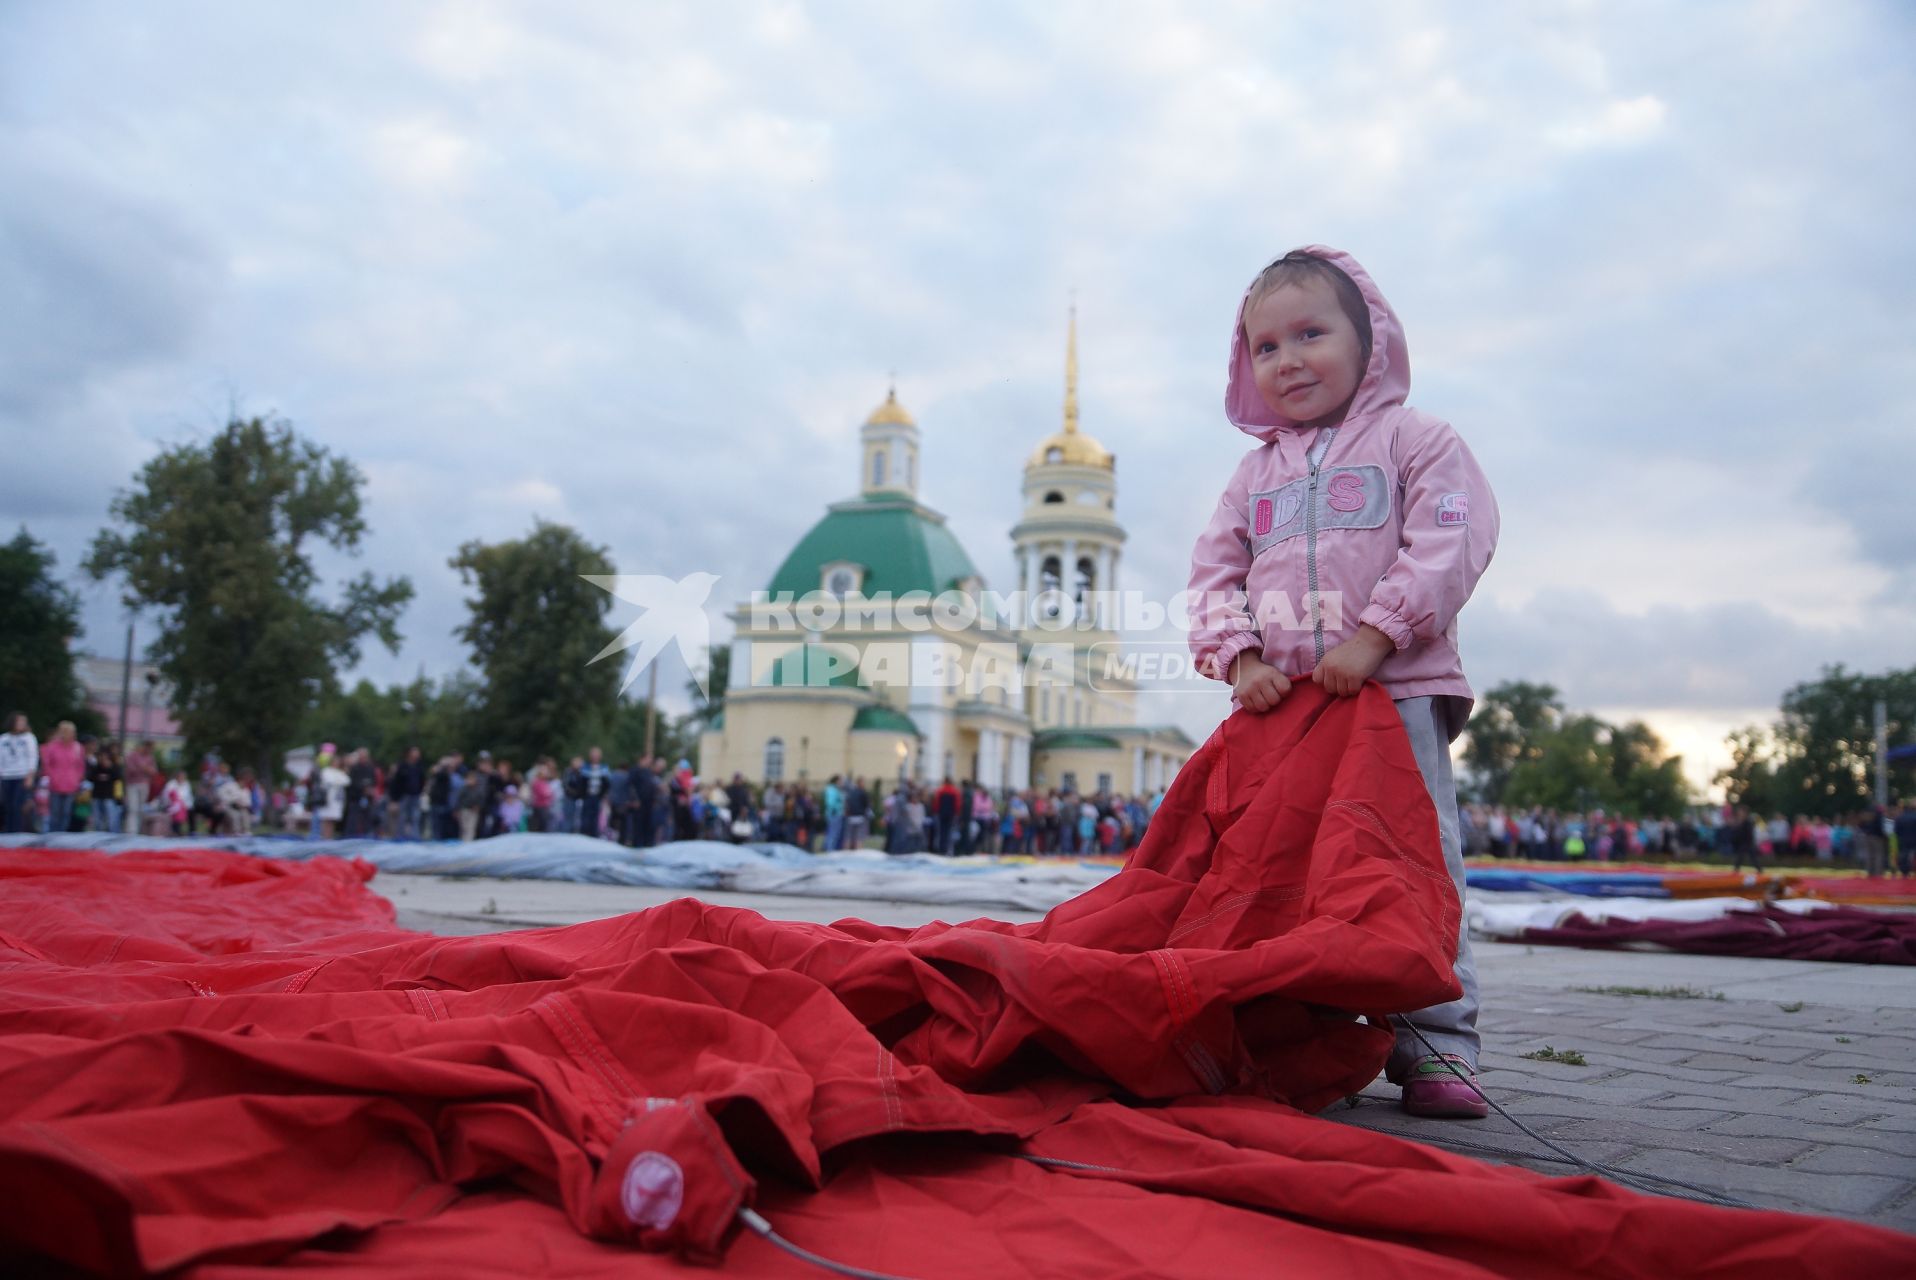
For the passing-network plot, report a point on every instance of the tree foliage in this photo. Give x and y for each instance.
(1818, 758)
(38, 616)
(1525, 750)
(1507, 730)
(435, 717)
(218, 537)
(535, 625)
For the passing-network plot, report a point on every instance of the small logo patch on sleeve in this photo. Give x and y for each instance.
(1453, 508)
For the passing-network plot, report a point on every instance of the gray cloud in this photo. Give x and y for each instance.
(647, 271)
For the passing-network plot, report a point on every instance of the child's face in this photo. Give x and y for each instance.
(1305, 354)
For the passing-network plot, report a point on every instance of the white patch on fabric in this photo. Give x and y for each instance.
(653, 1190)
(1347, 498)
(1453, 508)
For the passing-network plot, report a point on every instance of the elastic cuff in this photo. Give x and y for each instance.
(1387, 622)
(1220, 658)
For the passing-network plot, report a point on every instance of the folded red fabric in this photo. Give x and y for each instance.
(225, 1064)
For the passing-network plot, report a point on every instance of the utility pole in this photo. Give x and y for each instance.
(1882, 754)
(127, 686)
(651, 707)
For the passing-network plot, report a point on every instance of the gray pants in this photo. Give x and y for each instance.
(1451, 1027)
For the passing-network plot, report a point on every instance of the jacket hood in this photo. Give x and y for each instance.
(1386, 379)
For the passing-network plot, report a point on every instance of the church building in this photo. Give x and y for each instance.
(878, 651)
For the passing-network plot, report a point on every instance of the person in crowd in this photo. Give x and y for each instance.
(405, 787)
(644, 787)
(595, 782)
(106, 777)
(742, 823)
(834, 802)
(142, 781)
(469, 805)
(858, 813)
(63, 762)
(19, 767)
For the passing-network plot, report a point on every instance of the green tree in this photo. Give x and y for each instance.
(1818, 759)
(1587, 763)
(436, 718)
(535, 625)
(1750, 778)
(620, 731)
(38, 617)
(1508, 729)
(218, 538)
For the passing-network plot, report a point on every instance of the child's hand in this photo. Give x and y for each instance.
(1258, 685)
(1346, 667)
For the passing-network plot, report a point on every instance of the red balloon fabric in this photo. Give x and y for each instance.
(223, 1066)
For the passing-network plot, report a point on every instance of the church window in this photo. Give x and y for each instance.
(1087, 579)
(1068, 781)
(910, 458)
(774, 759)
(1054, 454)
(1054, 496)
(1104, 783)
(878, 466)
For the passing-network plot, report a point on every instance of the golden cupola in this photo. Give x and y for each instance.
(1069, 446)
(888, 452)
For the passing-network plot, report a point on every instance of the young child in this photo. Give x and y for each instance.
(1341, 551)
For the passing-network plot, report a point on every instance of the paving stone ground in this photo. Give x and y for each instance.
(1796, 1090)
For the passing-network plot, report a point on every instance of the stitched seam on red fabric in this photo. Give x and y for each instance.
(1170, 981)
(1281, 892)
(610, 1106)
(297, 983)
(1194, 1050)
(602, 1056)
(1447, 917)
(888, 1084)
(113, 952)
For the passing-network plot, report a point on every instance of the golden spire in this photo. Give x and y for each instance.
(1071, 373)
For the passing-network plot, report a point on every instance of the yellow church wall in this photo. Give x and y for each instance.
(816, 730)
(875, 754)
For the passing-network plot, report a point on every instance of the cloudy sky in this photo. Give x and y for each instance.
(644, 268)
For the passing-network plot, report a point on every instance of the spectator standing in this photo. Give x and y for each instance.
(470, 803)
(63, 761)
(834, 815)
(19, 763)
(404, 788)
(104, 777)
(594, 781)
(643, 782)
(858, 814)
(944, 816)
(141, 779)
(1906, 838)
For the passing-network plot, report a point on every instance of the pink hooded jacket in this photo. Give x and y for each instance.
(1393, 527)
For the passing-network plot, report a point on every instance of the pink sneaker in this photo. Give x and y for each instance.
(1432, 1089)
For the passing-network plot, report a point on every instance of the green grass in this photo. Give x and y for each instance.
(1842, 1039)
(1859, 1078)
(1569, 1057)
(1794, 1006)
(1657, 993)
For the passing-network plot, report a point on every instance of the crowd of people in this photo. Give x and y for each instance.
(71, 783)
(1878, 840)
(643, 802)
(74, 783)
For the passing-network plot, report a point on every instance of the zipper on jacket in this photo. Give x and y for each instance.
(1316, 458)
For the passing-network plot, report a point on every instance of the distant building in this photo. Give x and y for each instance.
(149, 708)
(837, 698)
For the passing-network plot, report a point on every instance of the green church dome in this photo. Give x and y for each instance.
(902, 545)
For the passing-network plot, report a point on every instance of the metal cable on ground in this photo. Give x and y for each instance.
(1628, 1177)
(1491, 1149)
(761, 1227)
